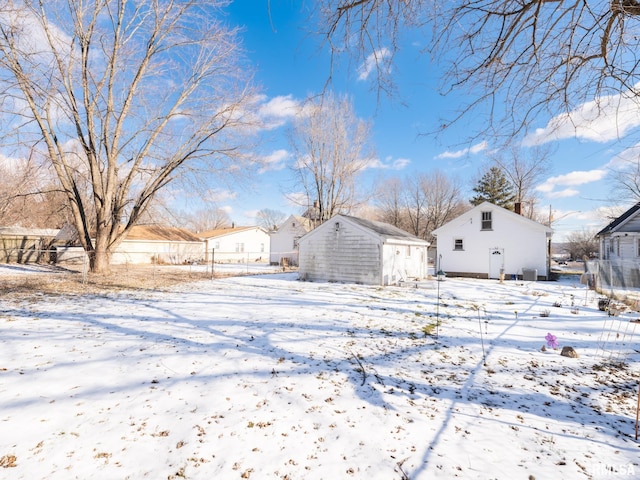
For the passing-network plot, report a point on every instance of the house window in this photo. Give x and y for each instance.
(458, 244)
(486, 221)
(216, 245)
(408, 251)
(262, 248)
(637, 247)
(239, 247)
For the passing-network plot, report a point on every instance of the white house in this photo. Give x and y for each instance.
(354, 250)
(621, 238)
(284, 241)
(143, 244)
(158, 244)
(237, 244)
(489, 240)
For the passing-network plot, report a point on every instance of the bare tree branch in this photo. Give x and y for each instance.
(122, 98)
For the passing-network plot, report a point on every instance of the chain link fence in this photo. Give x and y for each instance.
(616, 279)
(139, 269)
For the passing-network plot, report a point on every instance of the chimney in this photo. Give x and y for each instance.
(517, 207)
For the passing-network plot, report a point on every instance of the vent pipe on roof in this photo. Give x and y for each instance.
(517, 207)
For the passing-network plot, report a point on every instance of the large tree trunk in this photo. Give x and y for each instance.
(100, 257)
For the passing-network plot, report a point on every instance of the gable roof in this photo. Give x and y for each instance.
(486, 205)
(621, 220)
(385, 231)
(303, 222)
(158, 232)
(221, 232)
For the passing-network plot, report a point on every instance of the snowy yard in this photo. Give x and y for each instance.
(267, 377)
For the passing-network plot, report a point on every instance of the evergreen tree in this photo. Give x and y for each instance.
(494, 187)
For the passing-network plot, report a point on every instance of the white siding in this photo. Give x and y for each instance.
(403, 262)
(157, 251)
(249, 245)
(632, 225)
(346, 255)
(522, 243)
(284, 241)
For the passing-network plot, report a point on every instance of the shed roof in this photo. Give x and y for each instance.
(384, 231)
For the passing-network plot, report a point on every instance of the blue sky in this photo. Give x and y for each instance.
(291, 63)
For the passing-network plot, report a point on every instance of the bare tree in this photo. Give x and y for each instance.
(444, 201)
(329, 144)
(582, 243)
(525, 58)
(524, 169)
(29, 195)
(204, 219)
(420, 204)
(390, 202)
(121, 97)
(625, 181)
(415, 201)
(269, 218)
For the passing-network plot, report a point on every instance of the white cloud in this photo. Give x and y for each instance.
(567, 192)
(276, 160)
(601, 120)
(277, 111)
(625, 159)
(376, 60)
(473, 150)
(220, 195)
(387, 164)
(570, 179)
(296, 199)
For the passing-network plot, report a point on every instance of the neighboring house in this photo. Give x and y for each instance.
(22, 245)
(154, 244)
(284, 241)
(621, 238)
(354, 250)
(158, 244)
(236, 244)
(489, 240)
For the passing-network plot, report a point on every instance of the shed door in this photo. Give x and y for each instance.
(496, 262)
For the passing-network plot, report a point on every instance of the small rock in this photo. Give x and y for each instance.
(569, 352)
(543, 349)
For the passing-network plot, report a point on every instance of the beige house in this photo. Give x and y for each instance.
(146, 244)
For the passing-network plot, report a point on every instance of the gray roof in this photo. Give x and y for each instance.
(613, 226)
(385, 229)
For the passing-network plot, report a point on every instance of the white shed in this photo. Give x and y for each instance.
(284, 241)
(354, 250)
(488, 240)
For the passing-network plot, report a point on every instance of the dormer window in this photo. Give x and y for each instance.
(486, 221)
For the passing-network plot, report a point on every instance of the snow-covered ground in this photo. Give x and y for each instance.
(268, 377)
